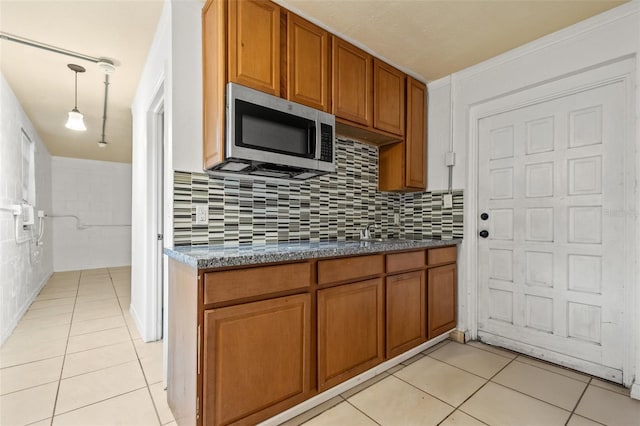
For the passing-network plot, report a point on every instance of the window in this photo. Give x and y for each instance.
(28, 170)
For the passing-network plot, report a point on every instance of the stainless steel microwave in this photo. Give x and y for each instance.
(272, 137)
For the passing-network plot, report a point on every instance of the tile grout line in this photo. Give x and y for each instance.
(425, 392)
(64, 357)
(485, 384)
(553, 372)
(510, 388)
(578, 402)
(368, 416)
(144, 375)
(99, 402)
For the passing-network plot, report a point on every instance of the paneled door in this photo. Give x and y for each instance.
(551, 179)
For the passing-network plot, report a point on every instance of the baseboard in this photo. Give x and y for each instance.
(635, 390)
(136, 320)
(345, 386)
(14, 323)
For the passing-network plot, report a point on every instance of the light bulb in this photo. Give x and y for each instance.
(102, 144)
(75, 121)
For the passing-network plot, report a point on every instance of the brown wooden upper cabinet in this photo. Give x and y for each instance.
(352, 83)
(388, 98)
(258, 44)
(254, 45)
(403, 166)
(307, 66)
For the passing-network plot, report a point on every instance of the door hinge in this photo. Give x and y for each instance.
(160, 237)
(197, 407)
(198, 349)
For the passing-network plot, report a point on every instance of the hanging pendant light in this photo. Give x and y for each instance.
(76, 119)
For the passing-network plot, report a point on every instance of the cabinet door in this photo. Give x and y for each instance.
(441, 297)
(256, 359)
(388, 98)
(307, 63)
(406, 312)
(351, 83)
(416, 136)
(254, 45)
(214, 79)
(350, 331)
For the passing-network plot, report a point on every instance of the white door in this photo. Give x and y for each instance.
(551, 270)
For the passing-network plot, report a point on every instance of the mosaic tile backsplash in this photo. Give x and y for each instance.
(330, 207)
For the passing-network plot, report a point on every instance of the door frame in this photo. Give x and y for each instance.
(157, 178)
(619, 70)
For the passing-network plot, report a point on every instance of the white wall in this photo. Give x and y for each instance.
(604, 38)
(173, 67)
(98, 193)
(24, 268)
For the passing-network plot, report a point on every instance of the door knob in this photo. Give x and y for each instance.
(484, 233)
(484, 216)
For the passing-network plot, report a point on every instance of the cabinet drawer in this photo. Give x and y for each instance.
(240, 283)
(349, 268)
(405, 261)
(441, 255)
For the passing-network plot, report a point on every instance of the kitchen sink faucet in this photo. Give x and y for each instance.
(365, 233)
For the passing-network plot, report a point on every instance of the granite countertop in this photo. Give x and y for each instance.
(218, 256)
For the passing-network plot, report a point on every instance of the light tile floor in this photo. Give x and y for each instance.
(475, 384)
(76, 358)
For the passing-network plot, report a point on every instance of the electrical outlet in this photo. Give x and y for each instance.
(202, 214)
(447, 201)
(396, 218)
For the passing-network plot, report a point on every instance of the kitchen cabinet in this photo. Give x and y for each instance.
(258, 44)
(254, 45)
(441, 291)
(388, 98)
(307, 64)
(402, 166)
(248, 342)
(406, 321)
(350, 331)
(352, 83)
(256, 359)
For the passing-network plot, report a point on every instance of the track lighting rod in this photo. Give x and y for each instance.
(102, 142)
(32, 43)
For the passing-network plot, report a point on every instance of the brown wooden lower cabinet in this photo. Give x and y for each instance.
(256, 359)
(441, 298)
(284, 332)
(350, 331)
(406, 312)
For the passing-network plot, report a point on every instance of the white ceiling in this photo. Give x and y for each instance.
(121, 30)
(434, 38)
(429, 38)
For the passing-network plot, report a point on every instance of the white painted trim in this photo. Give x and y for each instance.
(547, 355)
(580, 28)
(439, 83)
(135, 317)
(635, 390)
(153, 329)
(351, 383)
(619, 70)
(25, 306)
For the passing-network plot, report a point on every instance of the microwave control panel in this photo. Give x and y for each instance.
(326, 143)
